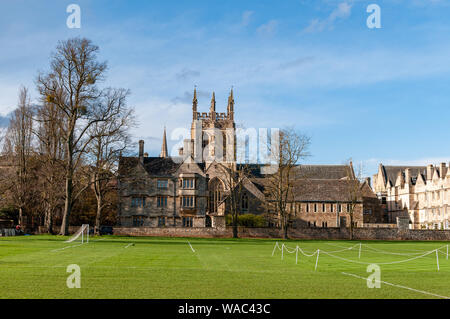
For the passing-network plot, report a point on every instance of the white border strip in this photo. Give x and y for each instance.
(67, 247)
(399, 286)
(191, 246)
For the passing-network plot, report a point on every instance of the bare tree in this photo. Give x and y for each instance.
(354, 193)
(18, 146)
(234, 178)
(291, 149)
(109, 139)
(71, 85)
(51, 158)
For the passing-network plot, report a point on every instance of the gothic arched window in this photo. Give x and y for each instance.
(244, 202)
(215, 194)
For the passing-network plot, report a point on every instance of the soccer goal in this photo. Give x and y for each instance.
(82, 234)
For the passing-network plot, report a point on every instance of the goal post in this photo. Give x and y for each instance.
(82, 234)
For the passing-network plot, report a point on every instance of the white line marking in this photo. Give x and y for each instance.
(66, 247)
(399, 286)
(129, 245)
(191, 247)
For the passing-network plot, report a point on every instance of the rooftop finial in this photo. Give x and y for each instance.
(194, 103)
(230, 107)
(213, 103)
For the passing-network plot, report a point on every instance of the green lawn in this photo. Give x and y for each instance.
(35, 267)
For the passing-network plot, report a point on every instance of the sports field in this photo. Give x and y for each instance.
(131, 267)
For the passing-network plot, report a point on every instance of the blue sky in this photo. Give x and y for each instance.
(375, 95)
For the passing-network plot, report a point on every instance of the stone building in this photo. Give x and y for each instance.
(421, 193)
(191, 189)
(324, 196)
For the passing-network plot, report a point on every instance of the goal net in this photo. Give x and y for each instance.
(81, 235)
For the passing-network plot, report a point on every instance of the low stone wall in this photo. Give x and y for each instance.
(301, 233)
(205, 232)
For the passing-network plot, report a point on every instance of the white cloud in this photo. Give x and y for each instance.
(246, 18)
(268, 28)
(343, 11)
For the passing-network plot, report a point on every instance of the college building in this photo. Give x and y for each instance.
(421, 193)
(193, 188)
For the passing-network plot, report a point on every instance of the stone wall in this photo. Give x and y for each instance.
(303, 233)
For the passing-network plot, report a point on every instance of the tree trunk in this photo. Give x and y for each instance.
(20, 221)
(48, 219)
(67, 206)
(99, 213)
(235, 226)
(69, 185)
(285, 228)
(351, 226)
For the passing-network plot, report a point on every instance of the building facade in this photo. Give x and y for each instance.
(421, 193)
(192, 189)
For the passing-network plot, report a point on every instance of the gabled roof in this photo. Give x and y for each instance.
(158, 166)
(323, 171)
(392, 172)
(321, 190)
(305, 171)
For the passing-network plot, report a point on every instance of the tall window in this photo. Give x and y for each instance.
(188, 201)
(339, 208)
(323, 208)
(138, 202)
(188, 183)
(162, 183)
(315, 208)
(138, 221)
(161, 201)
(307, 207)
(244, 202)
(161, 221)
(187, 221)
(215, 194)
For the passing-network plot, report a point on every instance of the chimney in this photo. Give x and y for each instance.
(141, 151)
(180, 151)
(368, 181)
(430, 172)
(442, 170)
(145, 154)
(407, 175)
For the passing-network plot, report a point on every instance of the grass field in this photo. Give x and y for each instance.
(131, 267)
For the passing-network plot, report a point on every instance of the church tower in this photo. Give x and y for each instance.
(213, 134)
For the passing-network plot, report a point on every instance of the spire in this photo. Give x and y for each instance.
(164, 152)
(230, 107)
(194, 104)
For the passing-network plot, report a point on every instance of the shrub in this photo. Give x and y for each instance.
(247, 220)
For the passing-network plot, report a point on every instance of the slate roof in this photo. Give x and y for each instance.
(306, 171)
(158, 166)
(320, 190)
(391, 172)
(322, 171)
